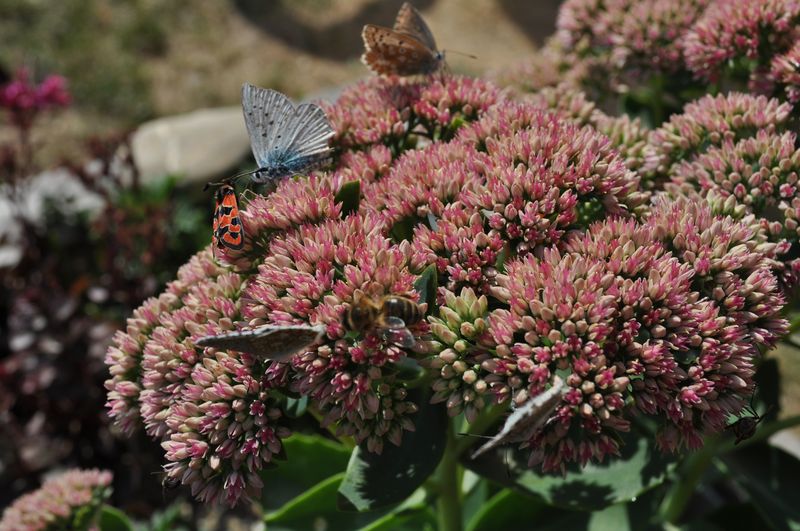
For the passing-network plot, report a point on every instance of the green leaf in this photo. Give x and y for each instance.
(310, 460)
(772, 479)
(112, 519)
(477, 493)
(639, 468)
(426, 285)
(349, 195)
(506, 510)
(169, 519)
(316, 509)
(502, 258)
(296, 407)
(410, 519)
(404, 229)
(379, 480)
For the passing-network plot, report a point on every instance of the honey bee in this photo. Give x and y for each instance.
(389, 316)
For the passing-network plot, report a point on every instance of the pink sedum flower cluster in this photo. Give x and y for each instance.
(733, 32)
(555, 253)
(710, 121)
(67, 501)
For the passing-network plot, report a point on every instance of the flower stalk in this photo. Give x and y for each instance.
(448, 481)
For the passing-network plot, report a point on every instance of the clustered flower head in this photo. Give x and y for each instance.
(734, 35)
(312, 277)
(628, 136)
(460, 336)
(710, 121)
(542, 182)
(628, 40)
(400, 114)
(67, 501)
(785, 71)
(529, 216)
(24, 100)
(758, 174)
(464, 251)
(647, 35)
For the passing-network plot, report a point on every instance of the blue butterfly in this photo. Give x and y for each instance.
(286, 140)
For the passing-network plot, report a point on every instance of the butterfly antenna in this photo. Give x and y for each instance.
(462, 53)
(227, 180)
(476, 435)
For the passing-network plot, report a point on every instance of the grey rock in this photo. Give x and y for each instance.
(198, 146)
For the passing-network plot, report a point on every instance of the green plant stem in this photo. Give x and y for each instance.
(684, 486)
(448, 481)
(697, 463)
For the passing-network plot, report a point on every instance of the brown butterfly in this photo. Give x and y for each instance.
(408, 49)
(272, 342)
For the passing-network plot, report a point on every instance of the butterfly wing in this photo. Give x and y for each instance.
(410, 22)
(272, 342)
(527, 419)
(265, 113)
(227, 228)
(285, 140)
(389, 52)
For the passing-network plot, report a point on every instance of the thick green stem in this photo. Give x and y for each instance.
(448, 481)
(691, 472)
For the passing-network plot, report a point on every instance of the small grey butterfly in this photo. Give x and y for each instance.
(286, 140)
(526, 420)
(272, 342)
(407, 49)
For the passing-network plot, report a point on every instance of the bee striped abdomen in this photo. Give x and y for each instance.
(403, 308)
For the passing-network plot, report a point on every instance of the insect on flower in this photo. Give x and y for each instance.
(272, 342)
(227, 228)
(407, 49)
(526, 420)
(286, 140)
(388, 316)
(745, 427)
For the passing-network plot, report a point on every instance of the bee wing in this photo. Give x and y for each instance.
(272, 342)
(527, 419)
(391, 52)
(410, 21)
(402, 337)
(393, 323)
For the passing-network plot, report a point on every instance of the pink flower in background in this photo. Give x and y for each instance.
(66, 501)
(708, 122)
(24, 101)
(736, 31)
(649, 34)
(785, 71)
